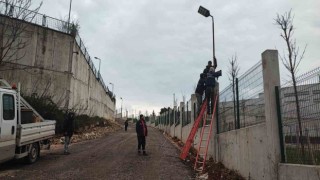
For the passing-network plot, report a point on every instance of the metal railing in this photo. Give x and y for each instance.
(301, 135)
(242, 104)
(16, 12)
(39, 19)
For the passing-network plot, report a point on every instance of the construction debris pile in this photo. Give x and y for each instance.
(213, 170)
(178, 142)
(217, 171)
(91, 132)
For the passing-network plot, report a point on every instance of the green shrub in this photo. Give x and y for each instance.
(49, 110)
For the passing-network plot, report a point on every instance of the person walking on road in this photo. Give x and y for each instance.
(68, 128)
(126, 124)
(142, 132)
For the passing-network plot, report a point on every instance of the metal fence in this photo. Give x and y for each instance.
(301, 136)
(242, 104)
(177, 116)
(16, 12)
(186, 113)
(170, 116)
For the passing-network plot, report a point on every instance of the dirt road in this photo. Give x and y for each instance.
(112, 157)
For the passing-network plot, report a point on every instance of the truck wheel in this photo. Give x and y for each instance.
(33, 154)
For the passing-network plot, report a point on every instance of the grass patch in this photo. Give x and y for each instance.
(294, 156)
(49, 110)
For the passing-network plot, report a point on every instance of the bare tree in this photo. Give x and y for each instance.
(15, 14)
(291, 60)
(233, 74)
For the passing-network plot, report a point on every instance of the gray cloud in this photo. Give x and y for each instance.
(152, 49)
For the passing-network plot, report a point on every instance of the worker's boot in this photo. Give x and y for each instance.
(144, 153)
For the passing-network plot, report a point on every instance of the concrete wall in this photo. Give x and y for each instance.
(245, 150)
(298, 172)
(50, 67)
(178, 131)
(254, 151)
(172, 130)
(185, 132)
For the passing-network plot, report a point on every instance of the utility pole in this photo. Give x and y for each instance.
(69, 16)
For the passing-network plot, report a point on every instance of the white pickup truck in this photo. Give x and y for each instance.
(23, 132)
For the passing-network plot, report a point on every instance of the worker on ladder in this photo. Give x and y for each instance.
(210, 85)
(200, 90)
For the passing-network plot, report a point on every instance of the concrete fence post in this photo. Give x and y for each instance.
(193, 109)
(174, 120)
(271, 78)
(214, 142)
(180, 118)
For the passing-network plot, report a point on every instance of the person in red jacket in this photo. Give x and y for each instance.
(142, 132)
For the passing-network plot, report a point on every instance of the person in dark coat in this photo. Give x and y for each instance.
(126, 124)
(206, 70)
(200, 90)
(142, 132)
(68, 129)
(210, 84)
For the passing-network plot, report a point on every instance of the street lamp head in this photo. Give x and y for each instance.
(204, 12)
(96, 58)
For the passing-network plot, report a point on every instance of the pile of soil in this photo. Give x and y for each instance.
(213, 170)
(178, 142)
(217, 171)
(92, 132)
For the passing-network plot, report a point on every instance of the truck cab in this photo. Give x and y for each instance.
(8, 124)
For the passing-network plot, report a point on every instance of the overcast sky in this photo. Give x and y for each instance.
(152, 49)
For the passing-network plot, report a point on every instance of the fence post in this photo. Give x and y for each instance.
(180, 119)
(187, 112)
(282, 150)
(174, 119)
(238, 108)
(44, 20)
(271, 78)
(217, 108)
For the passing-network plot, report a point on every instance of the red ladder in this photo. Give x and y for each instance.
(193, 132)
(203, 150)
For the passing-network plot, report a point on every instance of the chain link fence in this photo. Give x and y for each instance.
(242, 103)
(301, 129)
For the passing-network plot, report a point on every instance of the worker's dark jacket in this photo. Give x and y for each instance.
(211, 79)
(206, 70)
(201, 86)
(68, 125)
(141, 128)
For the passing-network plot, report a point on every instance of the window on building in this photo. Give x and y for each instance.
(301, 93)
(316, 91)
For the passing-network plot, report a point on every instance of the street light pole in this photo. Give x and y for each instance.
(69, 16)
(206, 13)
(112, 86)
(99, 64)
(213, 45)
(121, 106)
